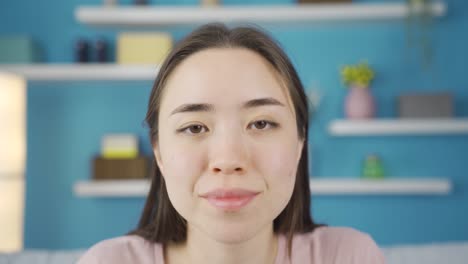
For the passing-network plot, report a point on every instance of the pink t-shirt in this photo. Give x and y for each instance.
(325, 245)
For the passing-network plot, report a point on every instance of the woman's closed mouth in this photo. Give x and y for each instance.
(230, 199)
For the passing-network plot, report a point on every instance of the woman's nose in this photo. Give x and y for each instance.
(229, 155)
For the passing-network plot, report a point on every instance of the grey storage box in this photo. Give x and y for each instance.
(426, 105)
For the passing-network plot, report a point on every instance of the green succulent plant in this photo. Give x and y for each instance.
(360, 74)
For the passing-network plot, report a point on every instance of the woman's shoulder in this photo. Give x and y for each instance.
(124, 249)
(337, 245)
(328, 234)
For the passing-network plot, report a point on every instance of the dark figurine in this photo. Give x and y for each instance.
(81, 51)
(101, 50)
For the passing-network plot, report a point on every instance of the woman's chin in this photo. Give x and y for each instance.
(232, 233)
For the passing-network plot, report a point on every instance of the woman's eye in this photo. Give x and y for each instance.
(193, 129)
(263, 124)
(257, 125)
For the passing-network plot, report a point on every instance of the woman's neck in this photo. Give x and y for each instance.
(199, 248)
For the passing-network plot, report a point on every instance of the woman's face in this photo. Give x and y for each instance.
(226, 124)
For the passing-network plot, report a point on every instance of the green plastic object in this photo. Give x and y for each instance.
(373, 168)
(18, 49)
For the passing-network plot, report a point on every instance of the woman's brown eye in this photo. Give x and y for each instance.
(260, 124)
(195, 129)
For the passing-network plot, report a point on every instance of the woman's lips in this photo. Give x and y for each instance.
(230, 199)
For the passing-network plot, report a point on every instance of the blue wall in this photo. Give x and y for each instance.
(67, 120)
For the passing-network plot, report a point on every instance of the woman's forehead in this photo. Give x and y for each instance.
(223, 76)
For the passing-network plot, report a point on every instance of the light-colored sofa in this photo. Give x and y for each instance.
(437, 253)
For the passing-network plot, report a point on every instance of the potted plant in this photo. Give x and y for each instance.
(359, 103)
(419, 23)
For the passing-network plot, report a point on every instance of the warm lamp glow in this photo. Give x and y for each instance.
(12, 160)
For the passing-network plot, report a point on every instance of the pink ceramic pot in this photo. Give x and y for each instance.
(359, 103)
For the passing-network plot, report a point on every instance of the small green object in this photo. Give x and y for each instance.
(373, 167)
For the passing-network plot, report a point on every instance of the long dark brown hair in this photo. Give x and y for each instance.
(160, 222)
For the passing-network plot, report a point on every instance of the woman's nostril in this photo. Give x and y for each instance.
(227, 170)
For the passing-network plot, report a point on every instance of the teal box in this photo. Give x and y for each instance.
(18, 49)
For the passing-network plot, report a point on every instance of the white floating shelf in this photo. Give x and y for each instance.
(380, 187)
(171, 15)
(112, 188)
(140, 188)
(82, 72)
(394, 127)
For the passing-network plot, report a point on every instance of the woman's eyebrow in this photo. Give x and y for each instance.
(210, 108)
(193, 108)
(262, 102)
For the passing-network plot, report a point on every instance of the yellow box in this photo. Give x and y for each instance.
(143, 48)
(119, 154)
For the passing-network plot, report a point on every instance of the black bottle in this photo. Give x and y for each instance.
(101, 50)
(81, 50)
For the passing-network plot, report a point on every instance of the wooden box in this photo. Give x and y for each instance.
(136, 168)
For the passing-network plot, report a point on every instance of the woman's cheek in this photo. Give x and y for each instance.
(185, 165)
(276, 164)
(183, 171)
(278, 157)
(184, 162)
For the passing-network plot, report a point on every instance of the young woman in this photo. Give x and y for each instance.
(228, 122)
